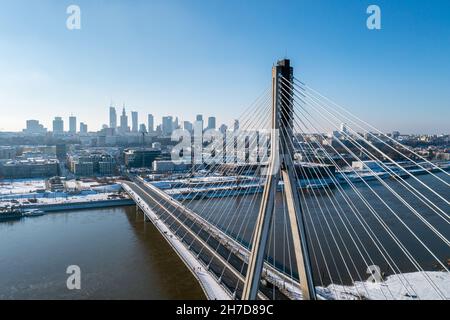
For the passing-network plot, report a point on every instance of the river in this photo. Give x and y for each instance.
(119, 255)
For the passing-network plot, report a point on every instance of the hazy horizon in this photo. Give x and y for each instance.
(183, 58)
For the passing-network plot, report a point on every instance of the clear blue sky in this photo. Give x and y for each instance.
(183, 57)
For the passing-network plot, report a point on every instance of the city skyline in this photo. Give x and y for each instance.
(129, 53)
(151, 126)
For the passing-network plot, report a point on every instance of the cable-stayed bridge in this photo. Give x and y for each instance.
(278, 209)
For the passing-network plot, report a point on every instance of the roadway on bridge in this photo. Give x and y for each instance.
(222, 268)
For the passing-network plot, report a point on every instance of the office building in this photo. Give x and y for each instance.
(7, 152)
(72, 124)
(83, 128)
(29, 168)
(223, 129)
(212, 123)
(112, 117)
(236, 125)
(134, 121)
(33, 127)
(138, 158)
(167, 126)
(187, 125)
(58, 125)
(150, 123)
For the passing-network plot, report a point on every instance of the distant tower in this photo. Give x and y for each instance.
(72, 124)
(124, 121)
(151, 123)
(83, 128)
(134, 121)
(187, 125)
(198, 124)
(58, 125)
(112, 117)
(236, 125)
(167, 125)
(223, 129)
(212, 123)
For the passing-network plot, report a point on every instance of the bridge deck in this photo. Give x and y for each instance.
(223, 262)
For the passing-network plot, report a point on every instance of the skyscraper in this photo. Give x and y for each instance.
(198, 124)
(236, 125)
(167, 125)
(150, 123)
(124, 122)
(212, 123)
(223, 129)
(33, 126)
(112, 117)
(72, 124)
(83, 128)
(187, 125)
(134, 121)
(58, 125)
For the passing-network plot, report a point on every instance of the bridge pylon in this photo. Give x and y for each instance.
(281, 165)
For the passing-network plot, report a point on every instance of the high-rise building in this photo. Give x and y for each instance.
(150, 123)
(198, 124)
(167, 125)
(112, 117)
(134, 121)
(175, 124)
(124, 122)
(236, 125)
(33, 126)
(142, 128)
(72, 124)
(83, 128)
(187, 125)
(58, 125)
(223, 129)
(395, 134)
(61, 150)
(212, 123)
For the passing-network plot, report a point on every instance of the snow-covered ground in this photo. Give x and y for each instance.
(429, 285)
(61, 200)
(21, 186)
(33, 191)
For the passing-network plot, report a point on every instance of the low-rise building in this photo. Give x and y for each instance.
(83, 168)
(142, 157)
(29, 168)
(167, 166)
